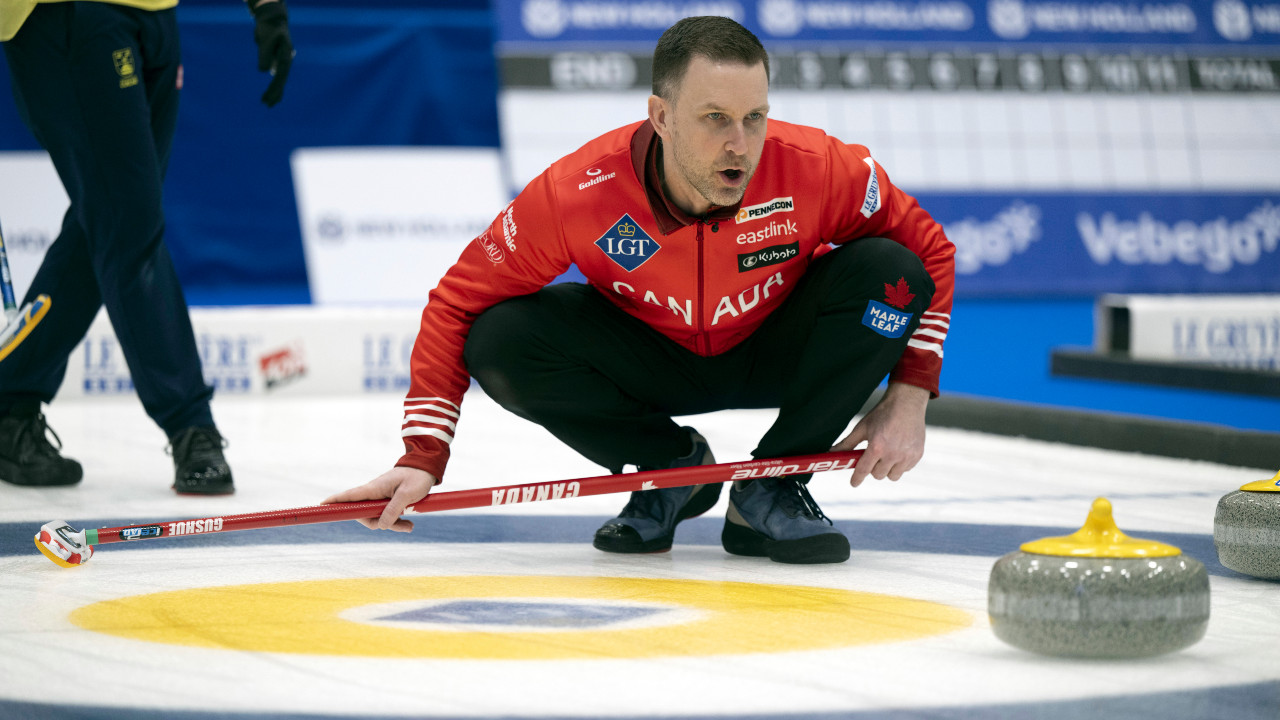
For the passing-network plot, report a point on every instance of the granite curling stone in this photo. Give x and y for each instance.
(1246, 529)
(1098, 594)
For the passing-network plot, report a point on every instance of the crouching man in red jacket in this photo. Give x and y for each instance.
(731, 262)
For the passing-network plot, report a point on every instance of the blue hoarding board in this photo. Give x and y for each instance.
(1058, 244)
(1229, 24)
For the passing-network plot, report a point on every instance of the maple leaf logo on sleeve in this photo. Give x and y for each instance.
(898, 296)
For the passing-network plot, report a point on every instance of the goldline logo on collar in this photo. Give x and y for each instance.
(596, 178)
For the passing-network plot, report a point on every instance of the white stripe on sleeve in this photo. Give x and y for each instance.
(441, 434)
(429, 419)
(934, 348)
(925, 332)
(437, 408)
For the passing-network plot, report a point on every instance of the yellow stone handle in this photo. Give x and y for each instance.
(1272, 485)
(1099, 538)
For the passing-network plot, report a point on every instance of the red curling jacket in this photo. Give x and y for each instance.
(706, 283)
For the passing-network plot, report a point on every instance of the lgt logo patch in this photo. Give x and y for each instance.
(627, 244)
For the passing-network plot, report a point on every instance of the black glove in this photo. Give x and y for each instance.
(275, 48)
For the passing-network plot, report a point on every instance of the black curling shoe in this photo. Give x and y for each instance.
(648, 522)
(199, 466)
(26, 455)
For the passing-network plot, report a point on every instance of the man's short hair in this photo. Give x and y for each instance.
(718, 39)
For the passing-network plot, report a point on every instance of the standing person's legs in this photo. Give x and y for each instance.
(97, 85)
(32, 374)
(175, 386)
(39, 64)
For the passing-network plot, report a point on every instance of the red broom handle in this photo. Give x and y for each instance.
(486, 497)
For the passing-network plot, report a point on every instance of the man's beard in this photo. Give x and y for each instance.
(707, 181)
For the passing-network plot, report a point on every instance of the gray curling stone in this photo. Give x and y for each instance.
(1246, 529)
(1098, 594)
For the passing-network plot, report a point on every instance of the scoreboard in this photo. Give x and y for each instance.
(1069, 148)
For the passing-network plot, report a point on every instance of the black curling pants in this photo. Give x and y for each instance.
(608, 385)
(97, 85)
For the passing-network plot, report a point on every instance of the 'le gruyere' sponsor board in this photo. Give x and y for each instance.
(1234, 330)
(268, 351)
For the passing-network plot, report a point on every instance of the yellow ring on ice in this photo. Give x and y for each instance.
(728, 618)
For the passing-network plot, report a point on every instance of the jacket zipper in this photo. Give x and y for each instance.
(703, 342)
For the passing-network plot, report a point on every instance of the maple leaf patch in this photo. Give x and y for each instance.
(898, 296)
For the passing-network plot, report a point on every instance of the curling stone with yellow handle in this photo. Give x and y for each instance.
(1098, 593)
(1246, 529)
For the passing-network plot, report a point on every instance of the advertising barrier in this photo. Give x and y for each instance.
(276, 351)
(1038, 244)
(1238, 331)
(1115, 23)
(381, 225)
(32, 203)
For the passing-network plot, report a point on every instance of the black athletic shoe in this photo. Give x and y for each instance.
(778, 518)
(648, 523)
(26, 455)
(199, 467)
